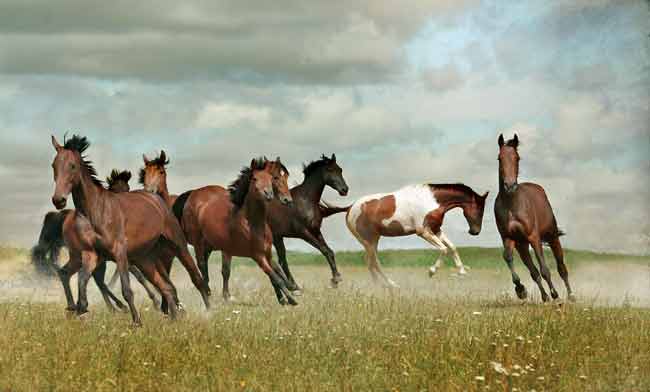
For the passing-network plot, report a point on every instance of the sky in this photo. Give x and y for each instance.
(404, 92)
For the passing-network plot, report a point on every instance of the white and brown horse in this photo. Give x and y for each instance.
(413, 209)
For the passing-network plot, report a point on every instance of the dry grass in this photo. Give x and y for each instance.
(445, 333)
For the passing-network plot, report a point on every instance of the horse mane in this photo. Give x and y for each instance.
(117, 175)
(459, 187)
(80, 144)
(157, 161)
(315, 165)
(239, 188)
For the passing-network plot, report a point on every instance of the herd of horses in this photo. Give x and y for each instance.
(143, 231)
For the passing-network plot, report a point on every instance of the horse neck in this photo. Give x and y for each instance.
(88, 196)
(255, 212)
(450, 199)
(312, 187)
(163, 191)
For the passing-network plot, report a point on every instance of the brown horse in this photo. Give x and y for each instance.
(133, 226)
(70, 228)
(414, 209)
(235, 221)
(524, 217)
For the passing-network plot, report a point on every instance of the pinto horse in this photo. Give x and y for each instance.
(303, 219)
(72, 229)
(525, 218)
(413, 209)
(235, 221)
(128, 227)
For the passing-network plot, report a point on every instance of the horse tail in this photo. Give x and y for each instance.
(45, 254)
(179, 205)
(556, 233)
(327, 209)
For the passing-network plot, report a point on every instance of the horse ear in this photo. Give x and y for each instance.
(277, 159)
(253, 163)
(163, 156)
(145, 159)
(56, 144)
(501, 141)
(516, 140)
(485, 195)
(127, 176)
(333, 157)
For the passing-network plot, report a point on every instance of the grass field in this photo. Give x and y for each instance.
(445, 333)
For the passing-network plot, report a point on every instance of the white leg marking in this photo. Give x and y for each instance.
(457, 260)
(434, 240)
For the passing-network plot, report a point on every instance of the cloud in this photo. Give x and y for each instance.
(324, 42)
(443, 78)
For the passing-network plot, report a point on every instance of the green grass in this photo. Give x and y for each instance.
(474, 257)
(350, 341)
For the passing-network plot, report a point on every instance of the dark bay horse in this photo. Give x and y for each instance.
(414, 209)
(235, 221)
(72, 229)
(128, 227)
(524, 217)
(303, 219)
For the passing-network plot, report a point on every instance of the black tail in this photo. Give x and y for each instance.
(179, 205)
(328, 209)
(45, 253)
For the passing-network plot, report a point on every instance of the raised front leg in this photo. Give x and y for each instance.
(520, 289)
(278, 242)
(436, 241)
(454, 251)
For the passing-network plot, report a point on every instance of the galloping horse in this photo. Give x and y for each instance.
(413, 209)
(127, 226)
(70, 228)
(303, 219)
(524, 217)
(234, 221)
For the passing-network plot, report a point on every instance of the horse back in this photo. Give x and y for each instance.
(531, 209)
(206, 215)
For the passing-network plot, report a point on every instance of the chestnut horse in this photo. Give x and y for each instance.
(524, 217)
(413, 209)
(303, 219)
(130, 226)
(70, 228)
(235, 221)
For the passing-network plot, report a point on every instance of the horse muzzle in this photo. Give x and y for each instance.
(59, 202)
(343, 191)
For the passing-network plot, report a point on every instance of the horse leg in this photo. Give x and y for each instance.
(122, 262)
(186, 259)
(99, 275)
(65, 273)
(278, 242)
(520, 289)
(454, 251)
(202, 253)
(558, 253)
(143, 281)
(434, 240)
(279, 284)
(546, 273)
(329, 256)
(225, 275)
(89, 262)
(149, 269)
(522, 248)
(373, 260)
(164, 266)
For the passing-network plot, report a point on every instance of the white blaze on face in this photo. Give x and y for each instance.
(412, 204)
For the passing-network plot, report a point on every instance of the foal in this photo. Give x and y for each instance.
(525, 218)
(414, 209)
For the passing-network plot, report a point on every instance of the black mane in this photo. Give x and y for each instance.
(117, 175)
(239, 188)
(315, 165)
(80, 144)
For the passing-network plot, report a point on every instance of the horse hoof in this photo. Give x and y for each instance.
(521, 292)
(432, 271)
(292, 301)
(298, 292)
(462, 271)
